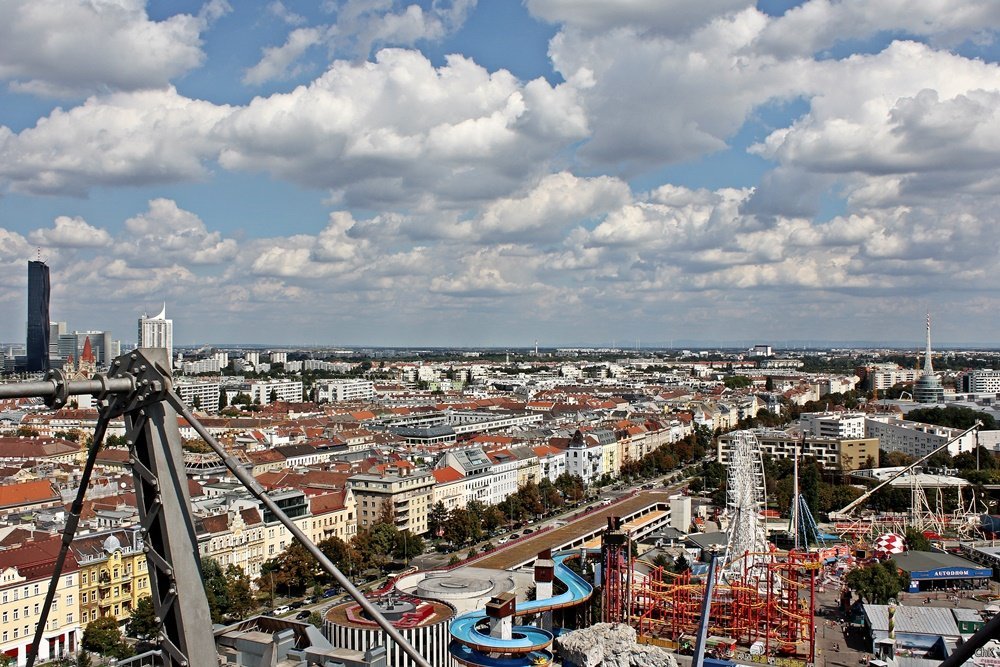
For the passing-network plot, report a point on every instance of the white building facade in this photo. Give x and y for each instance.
(157, 331)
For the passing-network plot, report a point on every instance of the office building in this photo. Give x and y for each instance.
(157, 331)
(38, 317)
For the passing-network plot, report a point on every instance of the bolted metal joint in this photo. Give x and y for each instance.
(60, 395)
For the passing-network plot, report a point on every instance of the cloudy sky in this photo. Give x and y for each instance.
(456, 172)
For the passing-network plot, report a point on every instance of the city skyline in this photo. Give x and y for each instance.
(490, 173)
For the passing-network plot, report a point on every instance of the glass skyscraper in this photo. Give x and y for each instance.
(38, 317)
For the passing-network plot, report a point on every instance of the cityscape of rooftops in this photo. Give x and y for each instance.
(481, 333)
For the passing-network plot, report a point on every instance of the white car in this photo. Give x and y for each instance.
(504, 539)
(283, 609)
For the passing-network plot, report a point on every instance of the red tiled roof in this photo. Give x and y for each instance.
(447, 474)
(35, 491)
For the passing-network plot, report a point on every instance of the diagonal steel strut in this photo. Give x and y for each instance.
(139, 387)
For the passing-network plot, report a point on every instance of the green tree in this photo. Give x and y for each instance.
(916, 541)
(953, 417)
(142, 621)
(315, 620)
(83, 659)
(769, 383)
(196, 403)
(216, 590)
(273, 396)
(104, 636)
(239, 592)
(437, 517)
(223, 401)
(492, 519)
(737, 382)
(408, 545)
(383, 539)
(291, 572)
(876, 583)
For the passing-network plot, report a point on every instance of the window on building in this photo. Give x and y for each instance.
(5, 617)
(69, 618)
(16, 615)
(36, 589)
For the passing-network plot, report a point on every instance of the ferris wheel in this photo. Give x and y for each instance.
(746, 499)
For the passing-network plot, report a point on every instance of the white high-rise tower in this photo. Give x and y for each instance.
(928, 388)
(157, 331)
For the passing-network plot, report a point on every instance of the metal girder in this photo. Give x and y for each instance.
(139, 387)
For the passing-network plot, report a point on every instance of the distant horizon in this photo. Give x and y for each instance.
(782, 347)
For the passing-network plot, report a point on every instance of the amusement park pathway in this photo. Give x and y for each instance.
(524, 549)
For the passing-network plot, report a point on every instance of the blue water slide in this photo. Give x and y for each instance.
(528, 645)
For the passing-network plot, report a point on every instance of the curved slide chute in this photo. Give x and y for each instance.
(528, 645)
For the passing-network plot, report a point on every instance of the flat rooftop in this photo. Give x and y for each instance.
(525, 550)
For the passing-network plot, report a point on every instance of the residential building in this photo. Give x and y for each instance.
(980, 382)
(113, 574)
(475, 466)
(334, 514)
(199, 395)
(25, 573)
(157, 331)
(450, 488)
(833, 424)
(584, 458)
(914, 438)
(264, 392)
(844, 454)
(551, 461)
(407, 494)
(234, 537)
(503, 475)
(295, 505)
(337, 391)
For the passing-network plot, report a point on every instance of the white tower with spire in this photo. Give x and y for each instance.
(157, 331)
(928, 388)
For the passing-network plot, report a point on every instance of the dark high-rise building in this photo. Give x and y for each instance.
(38, 316)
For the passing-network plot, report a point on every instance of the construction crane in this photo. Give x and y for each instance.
(845, 513)
(139, 388)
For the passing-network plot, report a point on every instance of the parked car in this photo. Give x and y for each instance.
(514, 536)
(504, 539)
(297, 604)
(279, 611)
(527, 531)
(329, 593)
(303, 615)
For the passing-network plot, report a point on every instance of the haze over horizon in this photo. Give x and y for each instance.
(487, 173)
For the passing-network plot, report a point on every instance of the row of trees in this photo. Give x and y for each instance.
(475, 521)
(294, 570)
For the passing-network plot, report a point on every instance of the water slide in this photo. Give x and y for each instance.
(528, 645)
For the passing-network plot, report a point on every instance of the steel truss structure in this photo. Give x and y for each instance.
(746, 499)
(771, 603)
(616, 566)
(139, 388)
